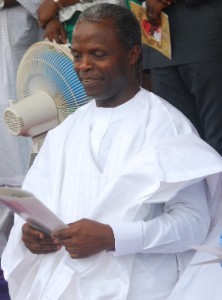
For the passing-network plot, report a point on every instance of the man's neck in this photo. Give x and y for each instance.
(118, 100)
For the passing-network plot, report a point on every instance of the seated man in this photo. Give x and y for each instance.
(126, 172)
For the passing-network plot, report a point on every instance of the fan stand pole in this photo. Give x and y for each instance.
(37, 144)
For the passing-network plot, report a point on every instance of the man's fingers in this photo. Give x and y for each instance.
(31, 231)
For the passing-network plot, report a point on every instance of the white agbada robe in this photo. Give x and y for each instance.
(150, 182)
(203, 282)
(19, 30)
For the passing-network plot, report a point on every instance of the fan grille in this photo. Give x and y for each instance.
(13, 122)
(49, 67)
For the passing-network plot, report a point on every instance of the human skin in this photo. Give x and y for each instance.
(55, 31)
(48, 9)
(154, 8)
(105, 68)
(81, 239)
(37, 242)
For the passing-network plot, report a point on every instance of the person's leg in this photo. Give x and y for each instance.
(169, 85)
(205, 83)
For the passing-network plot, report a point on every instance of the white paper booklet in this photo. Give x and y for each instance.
(33, 211)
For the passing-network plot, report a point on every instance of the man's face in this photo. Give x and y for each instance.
(101, 62)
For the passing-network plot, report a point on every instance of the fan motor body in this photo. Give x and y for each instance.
(48, 90)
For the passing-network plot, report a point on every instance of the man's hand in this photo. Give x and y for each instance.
(47, 11)
(154, 8)
(85, 238)
(55, 31)
(37, 242)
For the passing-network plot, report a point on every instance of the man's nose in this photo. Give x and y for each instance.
(84, 64)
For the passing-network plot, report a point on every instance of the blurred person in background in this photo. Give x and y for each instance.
(191, 80)
(19, 29)
(58, 18)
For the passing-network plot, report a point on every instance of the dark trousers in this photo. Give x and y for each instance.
(196, 90)
(4, 295)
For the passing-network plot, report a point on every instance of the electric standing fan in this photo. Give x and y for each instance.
(48, 91)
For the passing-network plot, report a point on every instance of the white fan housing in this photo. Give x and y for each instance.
(48, 90)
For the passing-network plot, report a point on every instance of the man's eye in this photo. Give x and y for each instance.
(76, 57)
(100, 54)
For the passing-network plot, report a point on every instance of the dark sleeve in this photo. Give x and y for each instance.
(193, 2)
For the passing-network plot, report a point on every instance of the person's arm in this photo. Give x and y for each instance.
(154, 8)
(54, 31)
(185, 222)
(50, 8)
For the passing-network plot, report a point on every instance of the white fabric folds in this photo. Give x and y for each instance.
(154, 155)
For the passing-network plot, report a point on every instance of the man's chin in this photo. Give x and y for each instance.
(93, 94)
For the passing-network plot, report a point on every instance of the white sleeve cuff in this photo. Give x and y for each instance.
(128, 237)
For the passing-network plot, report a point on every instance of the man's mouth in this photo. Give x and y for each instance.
(89, 81)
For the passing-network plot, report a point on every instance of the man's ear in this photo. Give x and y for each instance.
(135, 54)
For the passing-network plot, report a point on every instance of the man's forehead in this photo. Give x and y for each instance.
(103, 24)
(101, 31)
